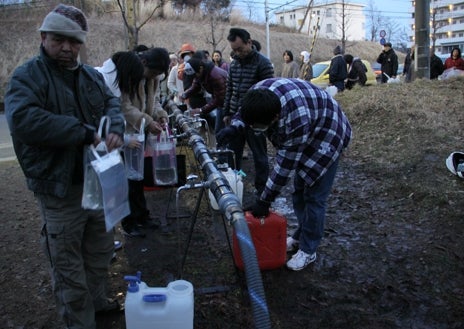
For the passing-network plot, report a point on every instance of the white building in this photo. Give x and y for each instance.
(446, 25)
(330, 17)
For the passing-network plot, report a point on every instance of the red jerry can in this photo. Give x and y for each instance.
(269, 237)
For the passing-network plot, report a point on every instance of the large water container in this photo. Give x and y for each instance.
(134, 156)
(168, 307)
(235, 182)
(164, 161)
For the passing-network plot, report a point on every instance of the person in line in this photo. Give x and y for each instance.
(337, 69)
(356, 72)
(290, 68)
(248, 67)
(165, 93)
(388, 61)
(310, 132)
(187, 51)
(436, 66)
(219, 61)
(161, 116)
(132, 76)
(212, 79)
(408, 64)
(207, 55)
(176, 85)
(306, 69)
(172, 61)
(53, 105)
(455, 60)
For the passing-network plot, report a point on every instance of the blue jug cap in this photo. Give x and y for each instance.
(134, 281)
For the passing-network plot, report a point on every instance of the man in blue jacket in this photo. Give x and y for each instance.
(53, 105)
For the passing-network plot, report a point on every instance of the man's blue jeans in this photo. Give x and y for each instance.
(309, 204)
(258, 146)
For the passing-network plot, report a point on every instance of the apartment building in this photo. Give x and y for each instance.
(327, 19)
(449, 22)
(446, 25)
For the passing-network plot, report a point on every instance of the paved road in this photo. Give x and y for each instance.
(6, 146)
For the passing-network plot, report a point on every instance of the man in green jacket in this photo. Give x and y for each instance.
(53, 105)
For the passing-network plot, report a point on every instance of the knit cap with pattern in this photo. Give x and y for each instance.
(66, 20)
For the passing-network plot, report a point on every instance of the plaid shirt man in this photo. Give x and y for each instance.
(309, 136)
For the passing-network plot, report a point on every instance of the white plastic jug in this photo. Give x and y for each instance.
(161, 308)
(235, 182)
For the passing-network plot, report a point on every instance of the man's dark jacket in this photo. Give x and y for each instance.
(389, 63)
(50, 126)
(244, 73)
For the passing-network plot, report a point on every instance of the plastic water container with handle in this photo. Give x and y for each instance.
(235, 181)
(161, 308)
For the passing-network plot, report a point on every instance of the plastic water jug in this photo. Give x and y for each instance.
(235, 182)
(161, 308)
(269, 237)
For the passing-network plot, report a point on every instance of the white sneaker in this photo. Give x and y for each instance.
(300, 260)
(292, 244)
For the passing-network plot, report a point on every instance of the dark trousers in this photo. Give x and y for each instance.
(258, 146)
(79, 251)
(137, 204)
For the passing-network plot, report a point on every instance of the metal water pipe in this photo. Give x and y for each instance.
(231, 207)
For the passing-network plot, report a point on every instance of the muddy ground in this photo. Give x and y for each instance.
(389, 259)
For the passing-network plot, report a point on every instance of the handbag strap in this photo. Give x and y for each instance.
(142, 127)
(95, 153)
(104, 119)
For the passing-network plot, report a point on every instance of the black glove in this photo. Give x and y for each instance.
(224, 135)
(260, 208)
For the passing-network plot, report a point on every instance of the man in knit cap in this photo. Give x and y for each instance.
(53, 106)
(337, 69)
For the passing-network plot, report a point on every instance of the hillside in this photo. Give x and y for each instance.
(20, 40)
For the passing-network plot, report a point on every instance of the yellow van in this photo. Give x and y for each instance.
(321, 74)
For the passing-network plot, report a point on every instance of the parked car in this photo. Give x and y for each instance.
(321, 74)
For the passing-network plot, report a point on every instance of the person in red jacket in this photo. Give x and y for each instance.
(212, 79)
(455, 60)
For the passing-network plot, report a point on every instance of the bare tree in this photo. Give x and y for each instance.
(250, 10)
(130, 11)
(308, 8)
(216, 12)
(434, 27)
(344, 23)
(374, 20)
